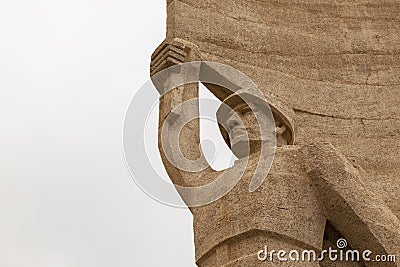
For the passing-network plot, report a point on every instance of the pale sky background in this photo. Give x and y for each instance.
(68, 70)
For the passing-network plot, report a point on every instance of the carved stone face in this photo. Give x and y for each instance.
(242, 120)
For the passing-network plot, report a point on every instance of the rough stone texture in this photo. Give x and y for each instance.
(337, 65)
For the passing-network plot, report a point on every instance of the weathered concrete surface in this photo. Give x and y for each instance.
(337, 64)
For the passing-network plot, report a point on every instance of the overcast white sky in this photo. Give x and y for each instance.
(68, 70)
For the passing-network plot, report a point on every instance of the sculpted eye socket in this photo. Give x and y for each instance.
(233, 125)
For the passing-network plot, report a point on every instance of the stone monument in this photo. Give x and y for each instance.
(330, 71)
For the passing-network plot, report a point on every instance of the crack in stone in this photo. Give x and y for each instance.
(237, 46)
(362, 119)
(301, 78)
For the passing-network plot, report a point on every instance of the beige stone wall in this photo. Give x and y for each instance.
(337, 64)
